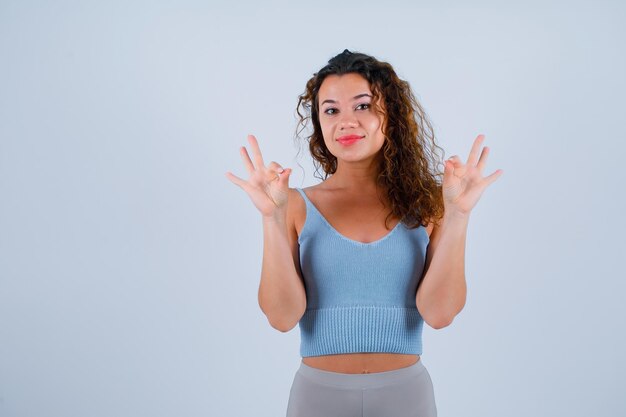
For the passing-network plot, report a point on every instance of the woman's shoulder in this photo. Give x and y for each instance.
(312, 192)
(294, 200)
(296, 211)
(429, 228)
(296, 205)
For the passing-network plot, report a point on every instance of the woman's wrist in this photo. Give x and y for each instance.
(279, 217)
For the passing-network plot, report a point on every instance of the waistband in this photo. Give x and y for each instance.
(376, 379)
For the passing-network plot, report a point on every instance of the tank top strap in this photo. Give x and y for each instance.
(309, 205)
(313, 219)
(301, 191)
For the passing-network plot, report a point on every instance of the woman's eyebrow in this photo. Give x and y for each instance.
(353, 98)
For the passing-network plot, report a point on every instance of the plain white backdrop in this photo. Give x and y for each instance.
(129, 264)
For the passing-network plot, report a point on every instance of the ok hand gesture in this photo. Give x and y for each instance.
(464, 184)
(267, 187)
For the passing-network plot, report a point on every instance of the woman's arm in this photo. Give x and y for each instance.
(281, 291)
(442, 291)
(282, 297)
(441, 295)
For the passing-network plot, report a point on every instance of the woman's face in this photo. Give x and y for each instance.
(350, 125)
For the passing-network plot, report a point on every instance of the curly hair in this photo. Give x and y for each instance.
(409, 169)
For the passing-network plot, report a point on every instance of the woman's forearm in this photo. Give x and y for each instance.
(282, 297)
(442, 292)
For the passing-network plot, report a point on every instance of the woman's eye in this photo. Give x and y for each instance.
(332, 110)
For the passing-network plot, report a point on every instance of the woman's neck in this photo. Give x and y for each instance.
(354, 176)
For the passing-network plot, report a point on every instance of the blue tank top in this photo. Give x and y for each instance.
(360, 296)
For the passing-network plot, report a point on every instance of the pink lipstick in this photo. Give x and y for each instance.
(349, 139)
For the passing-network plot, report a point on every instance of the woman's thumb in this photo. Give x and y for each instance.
(284, 176)
(448, 169)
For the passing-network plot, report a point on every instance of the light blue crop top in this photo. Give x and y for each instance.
(360, 296)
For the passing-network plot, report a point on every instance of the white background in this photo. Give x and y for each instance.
(129, 264)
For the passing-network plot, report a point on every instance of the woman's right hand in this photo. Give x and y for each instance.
(267, 187)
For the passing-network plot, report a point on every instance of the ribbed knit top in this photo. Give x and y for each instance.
(360, 296)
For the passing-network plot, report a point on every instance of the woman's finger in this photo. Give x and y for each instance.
(284, 177)
(274, 169)
(236, 180)
(246, 159)
(256, 151)
(459, 168)
(473, 155)
(483, 159)
(494, 176)
(455, 160)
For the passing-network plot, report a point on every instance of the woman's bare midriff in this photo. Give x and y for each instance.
(361, 363)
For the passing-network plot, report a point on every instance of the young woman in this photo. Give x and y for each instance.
(361, 260)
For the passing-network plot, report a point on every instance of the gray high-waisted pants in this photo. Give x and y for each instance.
(404, 392)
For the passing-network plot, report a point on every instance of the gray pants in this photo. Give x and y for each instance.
(404, 392)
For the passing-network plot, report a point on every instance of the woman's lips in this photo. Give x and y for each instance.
(349, 139)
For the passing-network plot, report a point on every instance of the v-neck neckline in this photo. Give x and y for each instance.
(310, 203)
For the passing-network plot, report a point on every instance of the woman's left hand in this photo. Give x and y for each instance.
(463, 184)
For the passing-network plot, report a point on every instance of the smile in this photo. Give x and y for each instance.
(349, 139)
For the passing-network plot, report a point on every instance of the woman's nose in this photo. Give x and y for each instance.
(348, 120)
